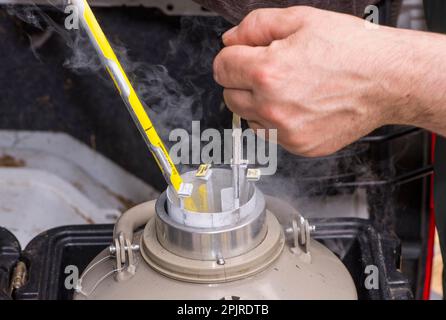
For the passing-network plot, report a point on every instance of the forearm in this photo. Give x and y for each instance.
(414, 81)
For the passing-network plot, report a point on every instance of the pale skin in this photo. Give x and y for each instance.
(325, 79)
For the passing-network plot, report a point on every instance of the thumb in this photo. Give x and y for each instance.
(262, 26)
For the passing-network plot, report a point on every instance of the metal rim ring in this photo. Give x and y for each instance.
(199, 271)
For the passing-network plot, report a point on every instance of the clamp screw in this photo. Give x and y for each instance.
(112, 248)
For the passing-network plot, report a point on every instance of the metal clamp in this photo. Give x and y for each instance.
(300, 231)
(122, 250)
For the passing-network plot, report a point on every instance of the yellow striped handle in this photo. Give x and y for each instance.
(128, 94)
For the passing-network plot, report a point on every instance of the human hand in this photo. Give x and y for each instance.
(322, 79)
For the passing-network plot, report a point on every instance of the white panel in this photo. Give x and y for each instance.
(50, 179)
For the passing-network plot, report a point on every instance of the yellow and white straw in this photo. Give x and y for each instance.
(131, 99)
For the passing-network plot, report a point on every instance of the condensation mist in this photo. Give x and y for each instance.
(174, 98)
(172, 103)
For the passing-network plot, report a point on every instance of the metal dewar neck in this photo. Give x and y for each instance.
(212, 243)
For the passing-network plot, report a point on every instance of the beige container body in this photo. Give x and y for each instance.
(289, 276)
